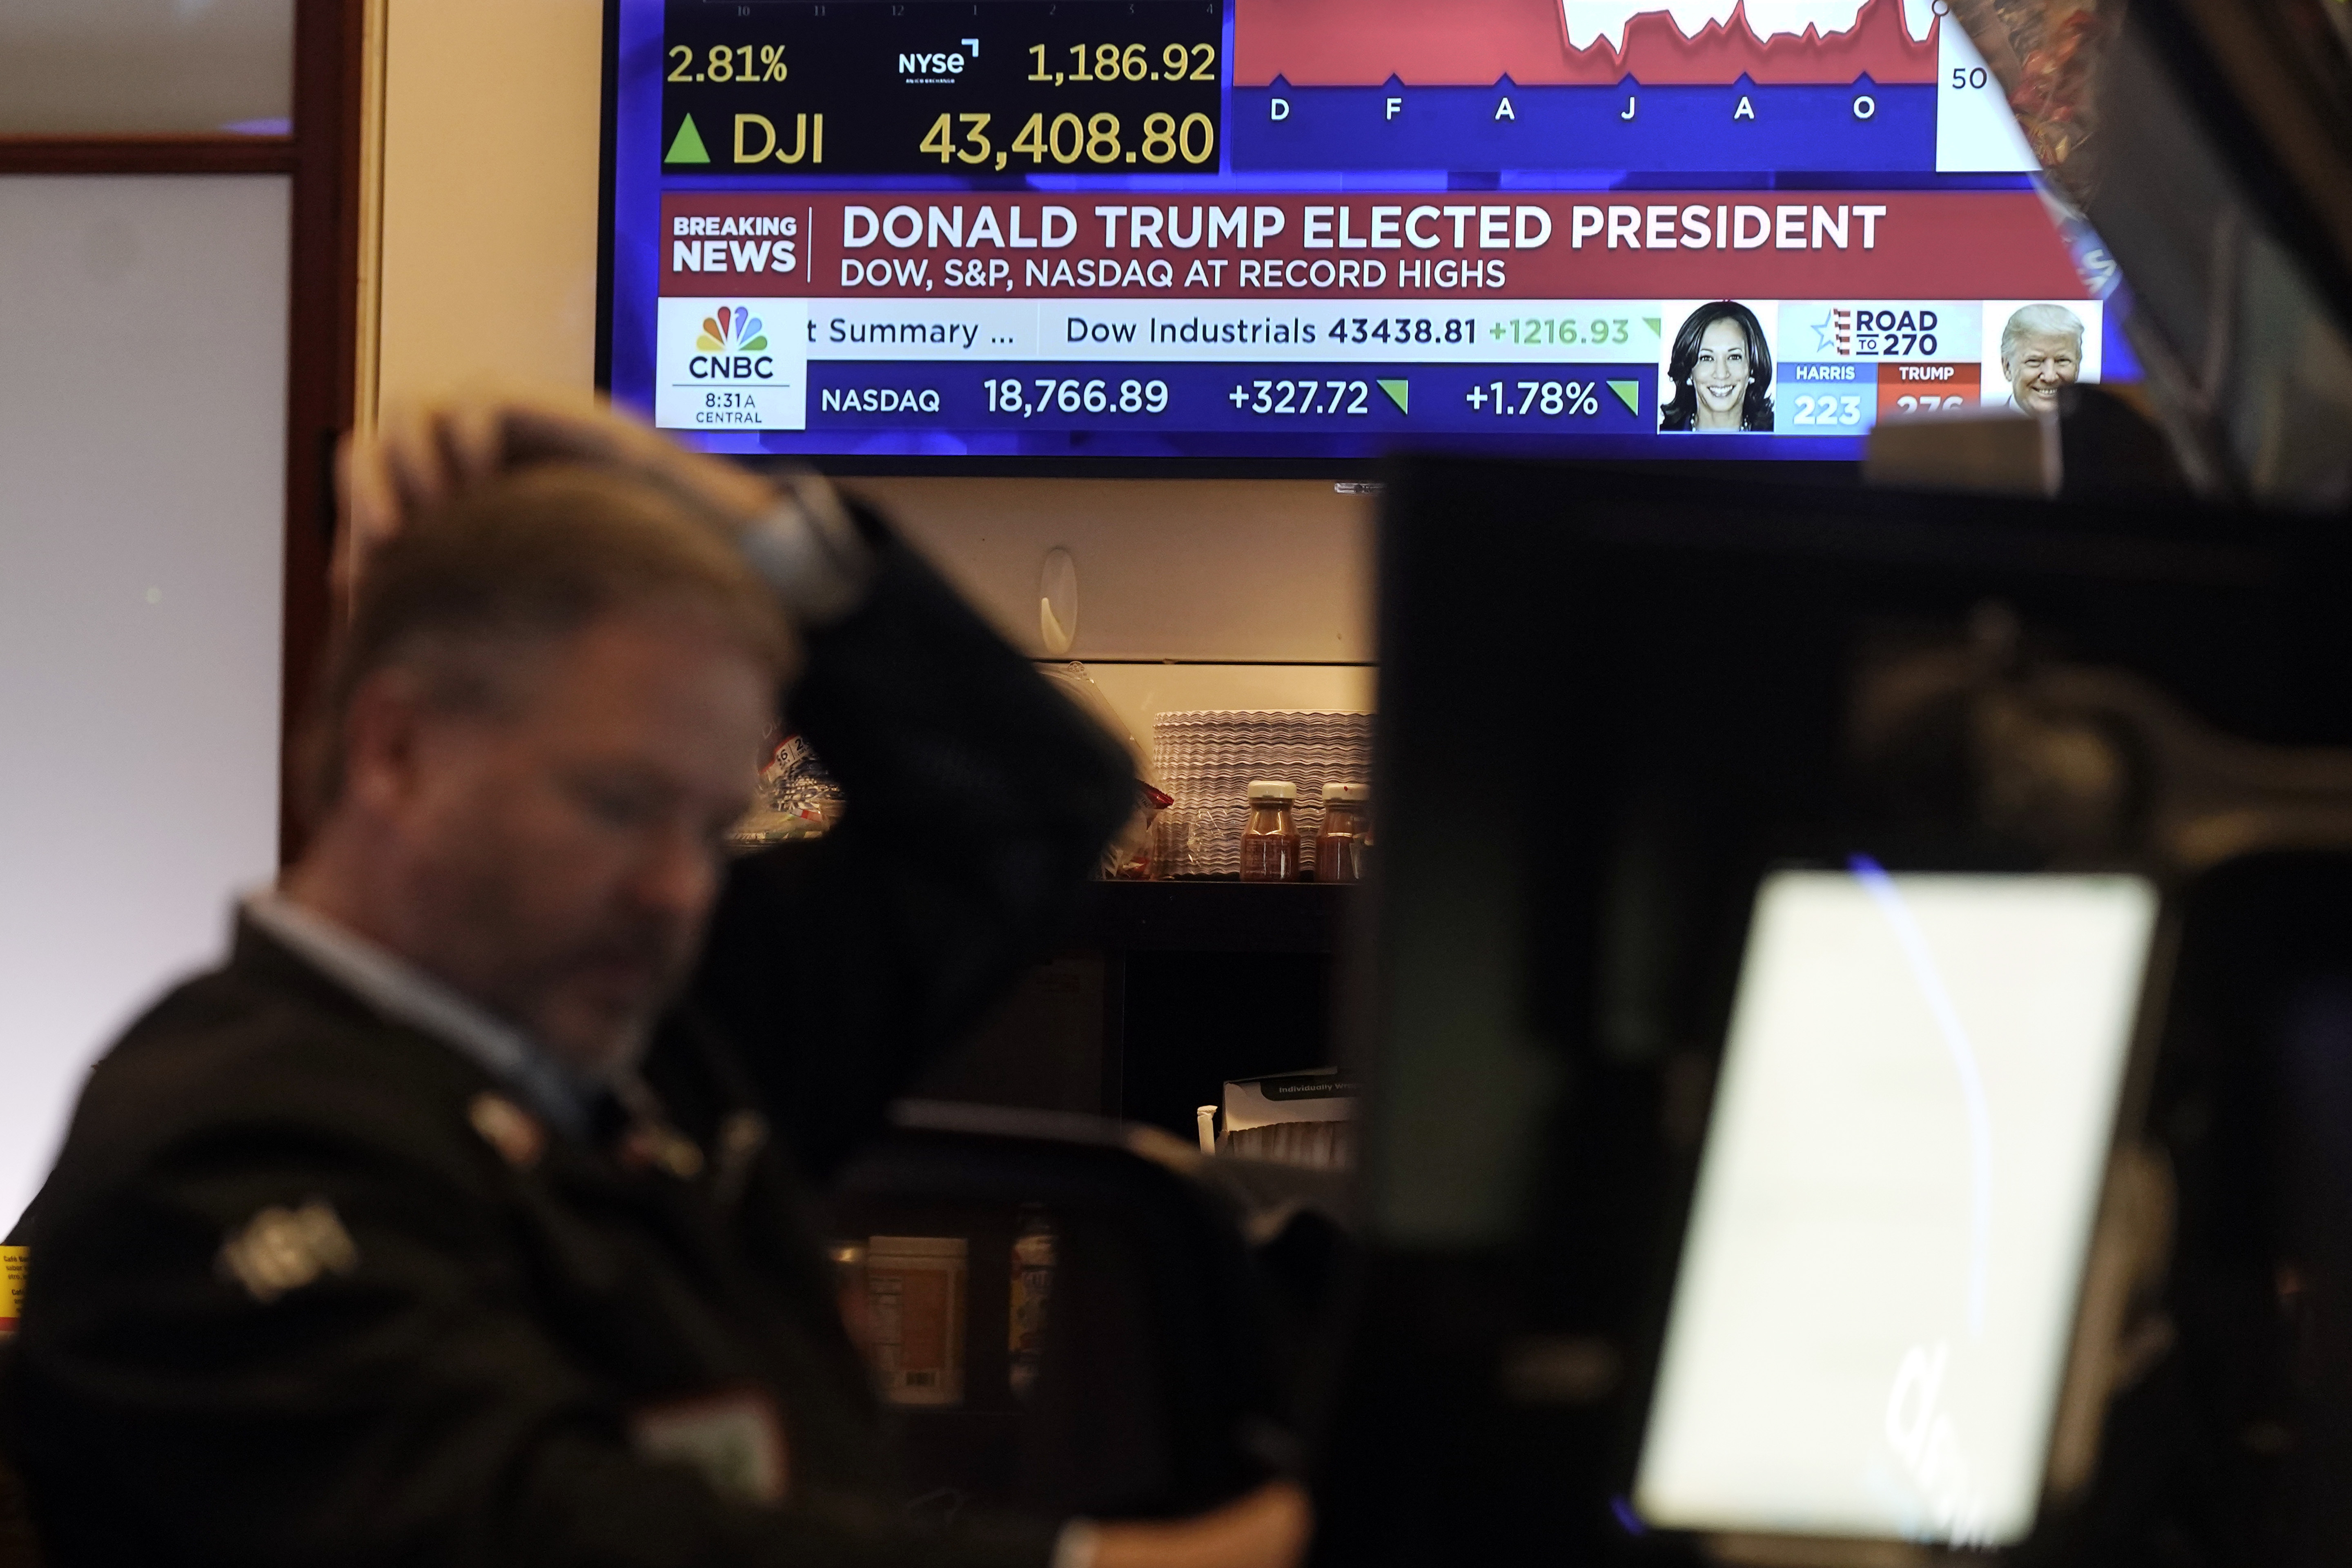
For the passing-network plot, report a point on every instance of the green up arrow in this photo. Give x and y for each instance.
(1399, 392)
(688, 148)
(1629, 392)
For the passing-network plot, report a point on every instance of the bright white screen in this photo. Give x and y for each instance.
(1877, 1288)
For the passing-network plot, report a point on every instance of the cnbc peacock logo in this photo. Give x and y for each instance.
(730, 345)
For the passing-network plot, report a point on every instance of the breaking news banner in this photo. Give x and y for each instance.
(1057, 311)
(1893, 244)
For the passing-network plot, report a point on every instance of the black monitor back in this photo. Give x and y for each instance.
(1608, 702)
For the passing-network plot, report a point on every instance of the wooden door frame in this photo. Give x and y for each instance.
(322, 157)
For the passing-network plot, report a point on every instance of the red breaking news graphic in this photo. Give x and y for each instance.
(1918, 245)
(1477, 43)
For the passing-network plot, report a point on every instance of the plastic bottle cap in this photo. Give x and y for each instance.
(1346, 793)
(1273, 789)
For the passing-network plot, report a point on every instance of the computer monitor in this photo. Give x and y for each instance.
(1312, 231)
(1878, 1281)
(1754, 1016)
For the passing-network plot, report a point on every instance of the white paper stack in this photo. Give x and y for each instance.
(1207, 759)
(1292, 1118)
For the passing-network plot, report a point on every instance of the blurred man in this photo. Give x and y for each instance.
(455, 1219)
(2040, 353)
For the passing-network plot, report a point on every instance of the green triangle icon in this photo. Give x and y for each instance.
(1398, 393)
(1629, 392)
(1653, 321)
(689, 147)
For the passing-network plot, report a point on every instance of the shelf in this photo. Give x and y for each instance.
(1210, 917)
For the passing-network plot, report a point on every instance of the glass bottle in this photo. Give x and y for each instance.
(1339, 847)
(1033, 1288)
(855, 1293)
(1270, 841)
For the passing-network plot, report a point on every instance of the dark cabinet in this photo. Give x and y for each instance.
(1156, 994)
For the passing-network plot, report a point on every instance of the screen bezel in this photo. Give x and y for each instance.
(2075, 1429)
(1791, 470)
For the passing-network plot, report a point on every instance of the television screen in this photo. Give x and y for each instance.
(1322, 228)
(1893, 1205)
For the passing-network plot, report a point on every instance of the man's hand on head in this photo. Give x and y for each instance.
(423, 454)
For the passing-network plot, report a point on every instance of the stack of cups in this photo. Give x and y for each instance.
(1207, 758)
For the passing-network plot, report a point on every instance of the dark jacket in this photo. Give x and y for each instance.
(463, 1387)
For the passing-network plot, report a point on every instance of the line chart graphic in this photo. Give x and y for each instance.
(1582, 43)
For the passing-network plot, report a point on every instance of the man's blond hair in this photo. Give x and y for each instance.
(464, 596)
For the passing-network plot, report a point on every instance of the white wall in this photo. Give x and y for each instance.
(1192, 594)
(491, 143)
(143, 419)
(1267, 571)
(74, 67)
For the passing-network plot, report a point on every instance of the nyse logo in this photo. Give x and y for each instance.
(937, 69)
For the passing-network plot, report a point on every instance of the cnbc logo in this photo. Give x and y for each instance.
(729, 347)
